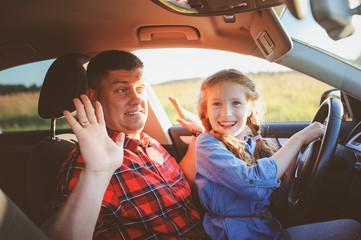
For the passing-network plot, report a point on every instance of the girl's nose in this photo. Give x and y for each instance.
(226, 111)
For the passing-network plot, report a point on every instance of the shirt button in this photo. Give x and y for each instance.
(251, 181)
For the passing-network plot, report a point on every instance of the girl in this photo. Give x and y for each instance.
(237, 170)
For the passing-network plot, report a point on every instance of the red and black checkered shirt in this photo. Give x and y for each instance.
(145, 199)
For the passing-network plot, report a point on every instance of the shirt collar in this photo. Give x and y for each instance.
(250, 145)
(132, 143)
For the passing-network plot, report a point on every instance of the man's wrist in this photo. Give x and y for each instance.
(99, 176)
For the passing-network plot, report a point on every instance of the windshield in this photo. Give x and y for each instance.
(309, 31)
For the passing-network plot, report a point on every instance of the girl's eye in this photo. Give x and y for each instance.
(217, 104)
(236, 103)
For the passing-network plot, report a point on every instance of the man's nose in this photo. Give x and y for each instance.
(136, 97)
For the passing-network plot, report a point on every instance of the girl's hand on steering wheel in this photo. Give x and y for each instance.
(312, 132)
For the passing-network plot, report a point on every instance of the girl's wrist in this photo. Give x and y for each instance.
(298, 137)
(196, 132)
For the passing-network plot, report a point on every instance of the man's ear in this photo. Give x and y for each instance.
(92, 95)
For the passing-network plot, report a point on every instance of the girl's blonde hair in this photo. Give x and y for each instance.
(264, 147)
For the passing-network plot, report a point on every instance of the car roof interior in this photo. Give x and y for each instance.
(48, 29)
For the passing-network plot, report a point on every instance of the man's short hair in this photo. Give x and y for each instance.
(105, 61)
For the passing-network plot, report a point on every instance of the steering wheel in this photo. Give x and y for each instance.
(311, 168)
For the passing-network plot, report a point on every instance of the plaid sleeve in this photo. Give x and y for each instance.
(67, 179)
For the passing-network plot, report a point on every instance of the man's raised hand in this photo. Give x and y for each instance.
(99, 151)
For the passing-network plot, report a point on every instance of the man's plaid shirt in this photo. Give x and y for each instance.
(144, 199)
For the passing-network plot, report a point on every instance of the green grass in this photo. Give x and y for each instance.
(19, 111)
(178, 89)
(288, 96)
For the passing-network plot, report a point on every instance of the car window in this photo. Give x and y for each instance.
(171, 72)
(309, 31)
(179, 72)
(19, 96)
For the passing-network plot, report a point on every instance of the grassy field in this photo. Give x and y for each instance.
(19, 111)
(289, 96)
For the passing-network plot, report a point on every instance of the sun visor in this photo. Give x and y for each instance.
(269, 35)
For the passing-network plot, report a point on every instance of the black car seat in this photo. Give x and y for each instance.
(65, 80)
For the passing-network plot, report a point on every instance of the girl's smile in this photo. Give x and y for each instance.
(226, 124)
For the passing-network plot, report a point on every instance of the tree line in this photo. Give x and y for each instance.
(18, 88)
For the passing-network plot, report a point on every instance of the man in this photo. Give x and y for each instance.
(122, 184)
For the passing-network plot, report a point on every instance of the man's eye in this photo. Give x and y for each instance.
(122, 90)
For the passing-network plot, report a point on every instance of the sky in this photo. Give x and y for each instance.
(160, 65)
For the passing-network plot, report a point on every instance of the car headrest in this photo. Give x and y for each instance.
(65, 80)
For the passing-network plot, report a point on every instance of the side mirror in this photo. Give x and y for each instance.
(335, 16)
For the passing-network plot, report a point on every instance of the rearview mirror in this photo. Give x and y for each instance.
(215, 7)
(335, 16)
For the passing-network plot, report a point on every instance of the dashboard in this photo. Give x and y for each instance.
(353, 142)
